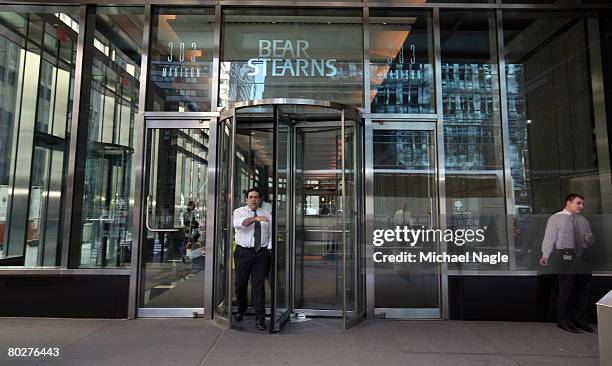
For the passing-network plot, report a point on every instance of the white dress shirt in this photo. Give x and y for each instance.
(560, 232)
(245, 235)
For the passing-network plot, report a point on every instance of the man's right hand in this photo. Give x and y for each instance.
(544, 261)
(263, 218)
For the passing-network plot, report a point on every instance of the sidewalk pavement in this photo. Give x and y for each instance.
(197, 342)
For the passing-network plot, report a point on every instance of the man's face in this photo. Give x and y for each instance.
(253, 200)
(575, 206)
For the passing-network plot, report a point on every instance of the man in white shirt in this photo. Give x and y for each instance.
(253, 229)
(568, 233)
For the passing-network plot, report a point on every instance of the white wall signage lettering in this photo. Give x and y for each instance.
(289, 58)
(175, 68)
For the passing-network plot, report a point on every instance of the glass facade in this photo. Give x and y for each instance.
(37, 70)
(553, 150)
(292, 53)
(472, 118)
(106, 234)
(472, 128)
(181, 60)
(401, 62)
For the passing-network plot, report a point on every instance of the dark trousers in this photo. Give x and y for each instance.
(254, 265)
(573, 284)
(573, 297)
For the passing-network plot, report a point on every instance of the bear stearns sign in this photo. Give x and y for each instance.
(286, 58)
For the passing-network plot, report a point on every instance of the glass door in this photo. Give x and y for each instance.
(173, 247)
(223, 289)
(353, 308)
(282, 233)
(405, 197)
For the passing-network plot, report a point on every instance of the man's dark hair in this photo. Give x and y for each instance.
(253, 190)
(572, 196)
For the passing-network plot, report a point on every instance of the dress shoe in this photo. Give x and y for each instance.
(261, 325)
(238, 317)
(584, 326)
(568, 327)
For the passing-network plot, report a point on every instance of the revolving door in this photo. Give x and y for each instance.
(306, 158)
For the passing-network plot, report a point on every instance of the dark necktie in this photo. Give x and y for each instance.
(257, 234)
(577, 235)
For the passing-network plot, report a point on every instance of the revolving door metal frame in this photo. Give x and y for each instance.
(349, 317)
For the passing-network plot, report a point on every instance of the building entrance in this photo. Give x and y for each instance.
(306, 159)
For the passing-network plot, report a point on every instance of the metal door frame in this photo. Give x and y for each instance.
(142, 187)
(405, 125)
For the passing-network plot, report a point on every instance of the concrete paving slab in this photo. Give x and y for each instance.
(319, 358)
(556, 361)
(421, 336)
(198, 342)
(41, 332)
(536, 339)
(143, 342)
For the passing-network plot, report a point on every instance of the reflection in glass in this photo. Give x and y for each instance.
(181, 60)
(292, 53)
(351, 230)
(222, 308)
(553, 150)
(37, 57)
(176, 209)
(472, 131)
(319, 244)
(106, 236)
(401, 62)
(282, 223)
(404, 196)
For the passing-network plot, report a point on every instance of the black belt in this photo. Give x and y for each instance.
(566, 250)
(251, 248)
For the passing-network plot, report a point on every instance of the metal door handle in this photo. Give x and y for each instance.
(147, 215)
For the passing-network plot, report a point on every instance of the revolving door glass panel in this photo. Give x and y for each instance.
(326, 212)
(293, 155)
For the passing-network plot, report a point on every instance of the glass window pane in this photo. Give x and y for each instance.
(560, 2)
(36, 76)
(181, 60)
(404, 197)
(292, 53)
(401, 62)
(472, 131)
(106, 235)
(553, 150)
(441, 1)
